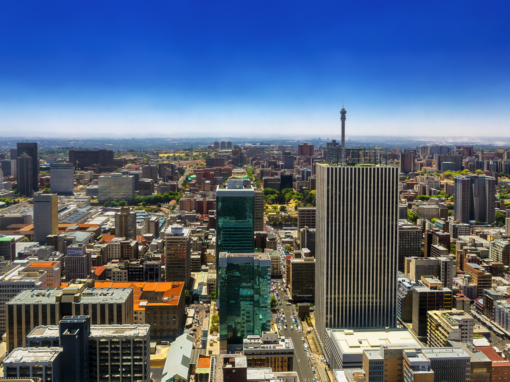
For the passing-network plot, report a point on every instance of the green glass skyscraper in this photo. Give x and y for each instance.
(243, 294)
(234, 218)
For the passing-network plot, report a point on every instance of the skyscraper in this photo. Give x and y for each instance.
(25, 175)
(125, 223)
(234, 217)
(62, 178)
(475, 198)
(31, 150)
(258, 210)
(243, 296)
(45, 216)
(178, 254)
(343, 112)
(356, 246)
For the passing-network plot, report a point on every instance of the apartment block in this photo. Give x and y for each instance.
(409, 243)
(481, 278)
(30, 364)
(449, 325)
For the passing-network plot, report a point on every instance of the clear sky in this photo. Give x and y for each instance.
(254, 68)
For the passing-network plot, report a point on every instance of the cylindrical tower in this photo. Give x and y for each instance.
(343, 112)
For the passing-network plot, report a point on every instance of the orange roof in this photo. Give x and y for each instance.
(140, 238)
(168, 288)
(100, 270)
(203, 362)
(43, 265)
(108, 238)
(490, 353)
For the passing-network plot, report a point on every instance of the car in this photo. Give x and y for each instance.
(291, 328)
(324, 360)
(312, 357)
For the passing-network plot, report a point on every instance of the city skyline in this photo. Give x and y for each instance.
(180, 69)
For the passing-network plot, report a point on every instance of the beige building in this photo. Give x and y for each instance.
(32, 308)
(445, 325)
(125, 223)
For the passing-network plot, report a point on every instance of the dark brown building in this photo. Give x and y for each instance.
(91, 158)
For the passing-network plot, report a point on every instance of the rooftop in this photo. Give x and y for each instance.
(438, 353)
(355, 341)
(33, 355)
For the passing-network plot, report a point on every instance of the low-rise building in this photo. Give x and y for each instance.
(34, 363)
(269, 350)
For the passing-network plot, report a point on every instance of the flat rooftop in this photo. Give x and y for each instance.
(92, 295)
(32, 355)
(134, 330)
(355, 341)
(439, 353)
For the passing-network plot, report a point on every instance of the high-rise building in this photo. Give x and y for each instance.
(6, 167)
(288, 160)
(432, 296)
(475, 198)
(244, 297)
(45, 216)
(306, 217)
(178, 254)
(454, 161)
(25, 175)
(229, 145)
(302, 279)
(216, 145)
(235, 217)
(62, 178)
(305, 150)
(78, 263)
(223, 145)
(125, 223)
(116, 187)
(258, 210)
(31, 150)
(31, 308)
(31, 364)
(409, 243)
(406, 162)
(356, 247)
(91, 158)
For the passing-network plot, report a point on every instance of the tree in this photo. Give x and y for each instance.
(273, 302)
(159, 205)
(283, 208)
(213, 295)
(287, 248)
(423, 197)
(500, 219)
(412, 216)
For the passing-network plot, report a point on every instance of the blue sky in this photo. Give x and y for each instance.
(254, 68)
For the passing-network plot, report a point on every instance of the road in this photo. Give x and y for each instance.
(301, 361)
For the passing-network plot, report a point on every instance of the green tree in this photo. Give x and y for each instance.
(500, 219)
(423, 197)
(288, 248)
(273, 302)
(283, 208)
(412, 216)
(213, 295)
(159, 205)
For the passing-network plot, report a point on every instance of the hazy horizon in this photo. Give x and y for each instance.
(254, 69)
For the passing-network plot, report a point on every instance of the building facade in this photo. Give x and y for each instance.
(356, 247)
(243, 295)
(62, 178)
(45, 216)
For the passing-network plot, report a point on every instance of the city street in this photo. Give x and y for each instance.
(301, 362)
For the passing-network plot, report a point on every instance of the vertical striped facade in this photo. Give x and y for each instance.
(356, 247)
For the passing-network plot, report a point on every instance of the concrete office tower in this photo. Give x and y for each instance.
(305, 150)
(116, 187)
(216, 145)
(223, 145)
(288, 160)
(343, 112)
(244, 297)
(62, 178)
(25, 175)
(14, 153)
(6, 167)
(356, 247)
(14, 167)
(1, 176)
(178, 254)
(31, 150)
(78, 263)
(475, 198)
(229, 145)
(25, 363)
(258, 210)
(125, 223)
(45, 216)
(234, 217)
